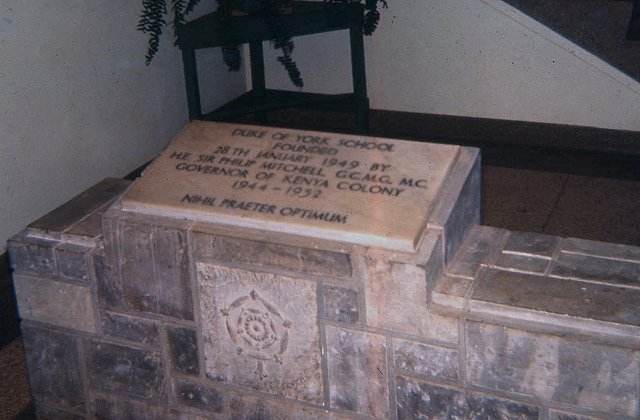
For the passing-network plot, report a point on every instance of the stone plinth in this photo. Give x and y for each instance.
(150, 306)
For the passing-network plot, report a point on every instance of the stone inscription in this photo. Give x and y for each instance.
(358, 189)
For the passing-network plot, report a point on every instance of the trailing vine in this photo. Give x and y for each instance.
(153, 19)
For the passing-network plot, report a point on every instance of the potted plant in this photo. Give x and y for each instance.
(156, 14)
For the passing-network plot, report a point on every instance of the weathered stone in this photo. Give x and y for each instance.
(558, 415)
(108, 283)
(136, 267)
(246, 407)
(49, 413)
(357, 366)
(267, 254)
(597, 269)
(523, 263)
(599, 377)
(529, 243)
(191, 394)
(421, 400)
(89, 227)
(130, 328)
(172, 273)
(118, 408)
(566, 297)
(450, 291)
(74, 210)
(340, 304)
(183, 349)
(54, 302)
(396, 299)
(600, 249)
(424, 359)
(54, 368)
(260, 330)
(32, 255)
(458, 207)
(481, 243)
(130, 371)
(73, 261)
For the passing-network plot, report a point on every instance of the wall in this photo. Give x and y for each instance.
(78, 104)
(478, 58)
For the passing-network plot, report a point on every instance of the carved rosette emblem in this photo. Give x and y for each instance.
(257, 329)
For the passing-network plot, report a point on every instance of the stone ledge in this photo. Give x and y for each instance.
(566, 285)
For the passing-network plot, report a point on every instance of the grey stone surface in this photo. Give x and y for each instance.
(171, 263)
(481, 243)
(117, 409)
(531, 243)
(340, 304)
(54, 368)
(260, 330)
(458, 207)
(266, 254)
(82, 205)
(597, 269)
(396, 299)
(524, 263)
(183, 350)
(421, 400)
(246, 407)
(130, 328)
(424, 359)
(32, 255)
(89, 227)
(450, 291)
(554, 369)
(357, 366)
(579, 299)
(73, 262)
(558, 415)
(108, 283)
(602, 249)
(136, 267)
(191, 394)
(129, 371)
(49, 413)
(54, 302)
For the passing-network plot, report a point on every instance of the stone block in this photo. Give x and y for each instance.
(421, 400)
(49, 413)
(53, 302)
(108, 283)
(32, 255)
(130, 328)
(524, 263)
(565, 297)
(358, 375)
(183, 350)
(82, 205)
(529, 243)
(450, 291)
(136, 267)
(477, 249)
(260, 330)
(559, 415)
(246, 407)
(340, 304)
(426, 360)
(551, 368)
(54, 368)
(172, 273)
(268, 254)
(597, 269)
(129, 371)
(600, 249)
(396, 299)
(458, 208)
(194, 395)
(117, 409)
(73, 262)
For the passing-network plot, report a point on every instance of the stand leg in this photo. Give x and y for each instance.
(359, 79)
(258, 81)
(191, 82)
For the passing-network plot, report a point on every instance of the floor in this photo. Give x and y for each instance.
(557, 202)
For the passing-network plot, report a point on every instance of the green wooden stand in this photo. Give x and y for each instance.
(306, 18)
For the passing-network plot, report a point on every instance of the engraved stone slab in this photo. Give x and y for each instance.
(260, 330)
(362, 190)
